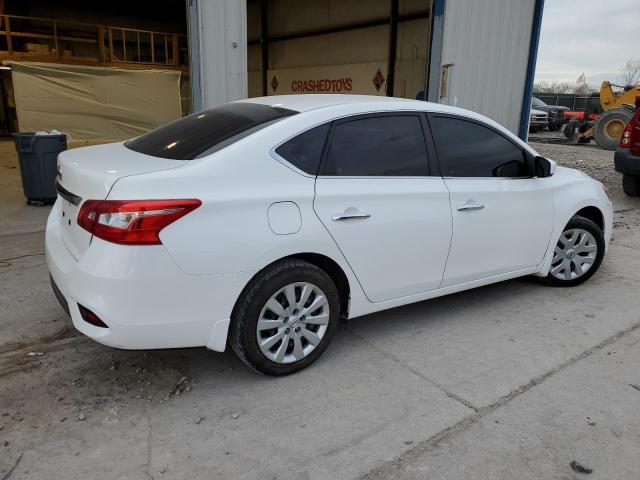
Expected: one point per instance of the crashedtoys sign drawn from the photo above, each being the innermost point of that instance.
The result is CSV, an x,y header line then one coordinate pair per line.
x,y
361,78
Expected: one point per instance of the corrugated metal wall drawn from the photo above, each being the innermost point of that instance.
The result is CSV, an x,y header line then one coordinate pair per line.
x,y
488,43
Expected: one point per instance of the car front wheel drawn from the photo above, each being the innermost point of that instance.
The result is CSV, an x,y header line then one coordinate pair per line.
x,y
578,253
285,317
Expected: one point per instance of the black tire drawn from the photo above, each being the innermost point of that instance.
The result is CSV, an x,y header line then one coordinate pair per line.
x,y
588,225
534,129
243,337
611,121
631,185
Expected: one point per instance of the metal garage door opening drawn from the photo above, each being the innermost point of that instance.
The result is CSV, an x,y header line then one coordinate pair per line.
x,y
376,47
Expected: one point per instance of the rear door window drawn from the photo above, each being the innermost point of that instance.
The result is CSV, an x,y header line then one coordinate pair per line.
x,y
305,150
204,132
389,145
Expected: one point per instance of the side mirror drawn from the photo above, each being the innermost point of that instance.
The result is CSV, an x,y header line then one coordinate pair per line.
x,y
543,167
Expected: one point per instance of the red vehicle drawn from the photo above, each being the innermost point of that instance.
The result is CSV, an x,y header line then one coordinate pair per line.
x,y
580,115
627,156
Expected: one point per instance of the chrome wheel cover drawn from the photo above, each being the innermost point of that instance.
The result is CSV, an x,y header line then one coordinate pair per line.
x,y
574,254
293,322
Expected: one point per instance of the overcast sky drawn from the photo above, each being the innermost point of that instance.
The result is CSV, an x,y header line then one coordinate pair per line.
x,y
596,37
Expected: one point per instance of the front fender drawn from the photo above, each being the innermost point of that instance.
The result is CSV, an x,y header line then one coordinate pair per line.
x,y
575,191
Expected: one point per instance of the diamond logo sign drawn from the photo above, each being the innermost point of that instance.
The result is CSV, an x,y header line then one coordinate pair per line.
x,y
378,80
274,83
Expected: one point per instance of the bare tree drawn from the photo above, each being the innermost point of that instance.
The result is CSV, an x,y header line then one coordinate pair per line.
x,y
582,89
554,87
541,87
630,73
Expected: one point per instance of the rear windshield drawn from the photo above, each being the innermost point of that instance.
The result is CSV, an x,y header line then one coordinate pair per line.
x,y
205,132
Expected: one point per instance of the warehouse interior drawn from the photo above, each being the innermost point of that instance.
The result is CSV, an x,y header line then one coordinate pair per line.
x,y
59,63
377,47
215,52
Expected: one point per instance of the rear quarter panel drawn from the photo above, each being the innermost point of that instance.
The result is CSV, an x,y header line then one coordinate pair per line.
x,y
230,232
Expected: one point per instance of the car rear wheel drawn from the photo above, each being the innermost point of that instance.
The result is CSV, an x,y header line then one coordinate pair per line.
x,y
578,253
631,185
285,317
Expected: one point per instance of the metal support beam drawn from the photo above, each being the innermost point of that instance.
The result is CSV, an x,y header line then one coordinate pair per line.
x,y
194,56
435,50
218,44
264,43
393,47
525,111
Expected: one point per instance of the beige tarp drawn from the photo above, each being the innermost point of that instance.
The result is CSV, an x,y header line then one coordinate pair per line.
x,y
94,103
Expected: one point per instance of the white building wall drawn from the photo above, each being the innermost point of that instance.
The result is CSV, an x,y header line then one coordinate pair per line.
x,y
487,45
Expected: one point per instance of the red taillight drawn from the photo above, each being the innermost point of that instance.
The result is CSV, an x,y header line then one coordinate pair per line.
x,y
625,140
132,222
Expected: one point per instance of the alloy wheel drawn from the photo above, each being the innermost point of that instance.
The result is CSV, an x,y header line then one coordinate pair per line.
x,y
293,322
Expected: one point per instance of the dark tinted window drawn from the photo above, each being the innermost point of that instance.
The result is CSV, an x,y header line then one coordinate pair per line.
x,y
305,150
377,146
466,149
200,133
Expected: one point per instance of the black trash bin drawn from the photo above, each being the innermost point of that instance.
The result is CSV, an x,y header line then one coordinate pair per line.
x,y
38,155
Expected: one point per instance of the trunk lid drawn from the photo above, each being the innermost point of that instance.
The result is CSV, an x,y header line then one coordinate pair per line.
x,y
88,174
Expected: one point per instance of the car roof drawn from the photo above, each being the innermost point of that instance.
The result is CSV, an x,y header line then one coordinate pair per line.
x,y
332,103
306,102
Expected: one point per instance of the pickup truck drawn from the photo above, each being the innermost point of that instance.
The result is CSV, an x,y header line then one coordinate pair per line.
x,y
538,120
555,112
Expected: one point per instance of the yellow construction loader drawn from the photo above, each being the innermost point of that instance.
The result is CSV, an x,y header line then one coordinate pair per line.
x,y
618,104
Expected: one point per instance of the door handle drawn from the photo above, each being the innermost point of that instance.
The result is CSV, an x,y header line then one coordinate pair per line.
x,y
350,214
470,206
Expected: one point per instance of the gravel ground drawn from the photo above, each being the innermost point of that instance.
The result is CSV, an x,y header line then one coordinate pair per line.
x,y
598,164
592,160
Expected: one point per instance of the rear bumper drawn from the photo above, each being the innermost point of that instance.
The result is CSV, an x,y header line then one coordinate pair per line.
x,y
626,162
141,294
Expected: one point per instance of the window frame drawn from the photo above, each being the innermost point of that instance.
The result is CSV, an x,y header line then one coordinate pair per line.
x,y
360,116
528,159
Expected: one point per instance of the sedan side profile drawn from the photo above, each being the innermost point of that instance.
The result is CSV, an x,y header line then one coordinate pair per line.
x,y
261,223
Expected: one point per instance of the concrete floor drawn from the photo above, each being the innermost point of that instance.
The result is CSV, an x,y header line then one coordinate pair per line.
x,y
514,380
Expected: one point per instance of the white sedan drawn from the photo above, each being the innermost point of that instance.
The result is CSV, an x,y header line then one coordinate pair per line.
x,y
261,223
